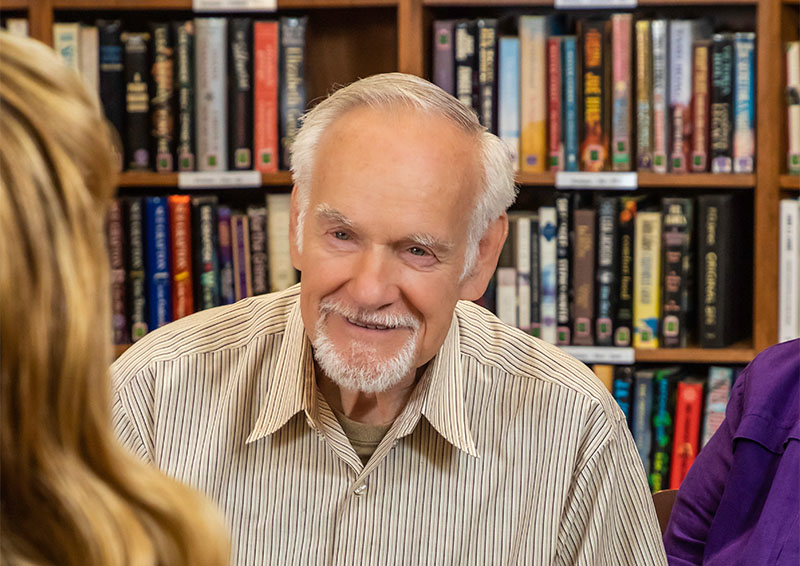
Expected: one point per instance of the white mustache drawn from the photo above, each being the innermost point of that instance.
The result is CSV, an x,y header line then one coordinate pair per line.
x,y
367,317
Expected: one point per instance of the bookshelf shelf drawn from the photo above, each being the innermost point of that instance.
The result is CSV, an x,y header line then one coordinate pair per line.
x,y
550,3
655,180
15,5
187,4
791,182
151,179
740,353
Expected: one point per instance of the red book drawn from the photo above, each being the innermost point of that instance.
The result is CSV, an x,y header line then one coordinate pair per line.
x,y
180,214
556,144
686,436
265,97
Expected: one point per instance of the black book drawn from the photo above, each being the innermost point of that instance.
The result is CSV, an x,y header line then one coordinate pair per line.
x,y
725,253
722,103
112,81
607,271
292,83
240,93
486,37
677,226
136,289
184,97
563,281
465,67
536,277
162,97
259,262
137,102
204,250
623,319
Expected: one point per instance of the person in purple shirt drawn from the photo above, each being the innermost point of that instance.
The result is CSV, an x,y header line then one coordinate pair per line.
x,y
740,501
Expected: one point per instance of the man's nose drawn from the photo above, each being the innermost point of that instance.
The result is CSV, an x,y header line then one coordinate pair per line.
x,y
374,281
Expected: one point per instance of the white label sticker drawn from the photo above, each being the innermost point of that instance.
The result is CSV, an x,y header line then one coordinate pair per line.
x,y
219,179
234,5
594,4
603,180
601,355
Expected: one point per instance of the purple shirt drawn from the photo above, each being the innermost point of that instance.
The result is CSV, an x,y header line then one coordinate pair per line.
x,y
740,501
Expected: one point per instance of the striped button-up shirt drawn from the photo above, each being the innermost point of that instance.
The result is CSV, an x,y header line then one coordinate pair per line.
x,y
509,451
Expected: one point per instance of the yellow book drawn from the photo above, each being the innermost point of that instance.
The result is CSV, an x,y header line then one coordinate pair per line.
x,y
647,279
533,93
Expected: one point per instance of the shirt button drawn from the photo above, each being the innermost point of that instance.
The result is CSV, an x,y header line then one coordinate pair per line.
x,y
360,490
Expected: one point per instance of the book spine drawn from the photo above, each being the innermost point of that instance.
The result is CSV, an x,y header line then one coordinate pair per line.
x,y
594,146
744,133
622,390
711,210
722,103
535,262
793,105
138,311
717,394
18,27
137,102
569,121
211,101
677,222
292,80
623,321
688,406
644,96
184,85
583,254
680,91
89,58
66,42
115,233
157,261
240,93
554,93
180,216
522,250
240,240
605,373
508,94
265,108
282,274
647,280
563,271
506,298
204,248
660,32
226,287
486,37
700,106
162,96
547,255
443,55
661,448
533,98
789,271
464,62
641,425
112,81
621,25
607,266
259,267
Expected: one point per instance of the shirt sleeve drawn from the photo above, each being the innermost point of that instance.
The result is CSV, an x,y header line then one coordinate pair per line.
x,y
609,516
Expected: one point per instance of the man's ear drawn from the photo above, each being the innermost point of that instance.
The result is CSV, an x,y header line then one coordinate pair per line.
x,y
474,285
294,251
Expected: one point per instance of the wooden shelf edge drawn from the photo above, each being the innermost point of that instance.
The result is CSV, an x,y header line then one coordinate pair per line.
x,y
550,3
790,182
186,5
655,180
732,355
6,5
152,179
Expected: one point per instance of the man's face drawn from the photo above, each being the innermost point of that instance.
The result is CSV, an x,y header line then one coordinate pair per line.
x,y
384,241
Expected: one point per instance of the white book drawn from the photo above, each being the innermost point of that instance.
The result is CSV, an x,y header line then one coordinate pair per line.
x,y
89,58
211,93
66,41
547,277
506,299
508,93
659,30
793,104
522,251
282,274
18,26
789,271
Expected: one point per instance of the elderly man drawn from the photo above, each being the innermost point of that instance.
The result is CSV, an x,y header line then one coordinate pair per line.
x,y
369,415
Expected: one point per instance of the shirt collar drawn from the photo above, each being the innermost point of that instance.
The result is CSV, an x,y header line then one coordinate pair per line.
x,y
439,396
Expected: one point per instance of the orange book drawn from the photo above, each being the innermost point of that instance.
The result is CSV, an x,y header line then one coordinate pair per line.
x,y
180,214
686,435
265,97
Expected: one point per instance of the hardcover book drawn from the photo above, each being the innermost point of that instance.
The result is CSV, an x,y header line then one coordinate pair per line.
x,y
621,50
162,90
607,270
226,287
678,221
701,81
686,439
623,391
744,100
533,98
265,110
793,105
89,58
115,234
623,323
644,96
259,268
240,242
554,94
66,42
157,261
594,145
465,63
508,94
660,36
292,80
647,279
583,254
569,122
443,55
185,89
522,250
282,274
138,309
642,422
112,80
548,228
722,103
563,275
506,273
137,102
664,380
240,93
180,218
205,242
536,296
211,100
486,38
718,391
789,270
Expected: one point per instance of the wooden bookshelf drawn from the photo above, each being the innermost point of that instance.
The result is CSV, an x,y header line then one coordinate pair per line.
x,y
14,4
790,182
186,5
152,179
738,354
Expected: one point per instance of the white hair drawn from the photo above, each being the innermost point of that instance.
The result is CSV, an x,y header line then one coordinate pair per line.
x,y
390,90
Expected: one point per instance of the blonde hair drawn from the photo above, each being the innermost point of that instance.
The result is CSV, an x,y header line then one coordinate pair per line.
x,y
70,493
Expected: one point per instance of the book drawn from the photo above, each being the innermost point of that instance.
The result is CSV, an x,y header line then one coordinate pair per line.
x,y
621,50
18,26
226,288
548,229
623,391
115,238
664,380
486,40
623,320
789,271
642,421
536,296
292,80
533,98
183,32
111,77
644,94
722,103
569,122
659,30
137,102
522,261
162,91
180,236
89,58
508,95
718,392
744,102
240,93
647,279
701,84
66,43
506,273
583,267
594,145
211,100
465,63
259,267
677,223
265,106
282,274
240,243
793,106
443,55
137,306
205,259
606,277
554,113
686,438
157,261
563,271
605,373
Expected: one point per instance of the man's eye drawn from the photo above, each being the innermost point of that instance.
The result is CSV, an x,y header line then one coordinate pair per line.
x,y
417,251
339,235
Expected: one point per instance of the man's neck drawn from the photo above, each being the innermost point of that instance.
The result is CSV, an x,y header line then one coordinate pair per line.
x,y
368,408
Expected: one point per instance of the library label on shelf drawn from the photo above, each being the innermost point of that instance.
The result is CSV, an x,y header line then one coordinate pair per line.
x,y
234,5
606,180
594,4
219,179
601,355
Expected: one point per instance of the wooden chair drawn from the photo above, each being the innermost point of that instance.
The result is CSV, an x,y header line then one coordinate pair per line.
x,y
663,501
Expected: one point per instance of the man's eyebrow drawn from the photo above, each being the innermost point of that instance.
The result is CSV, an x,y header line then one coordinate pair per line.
x,y
432,242
327,213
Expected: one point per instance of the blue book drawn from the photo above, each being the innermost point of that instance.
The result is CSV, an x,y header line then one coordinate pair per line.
x,y
509,118
622,390
744,103
159,291
642,408
569,119
226,288
547,272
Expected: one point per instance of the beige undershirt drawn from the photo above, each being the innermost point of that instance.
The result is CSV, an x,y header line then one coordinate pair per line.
x,y
363,437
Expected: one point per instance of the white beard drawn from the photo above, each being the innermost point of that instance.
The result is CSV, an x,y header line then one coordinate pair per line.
x,y
360,368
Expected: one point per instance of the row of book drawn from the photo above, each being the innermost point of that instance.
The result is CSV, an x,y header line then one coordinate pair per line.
x,y
174,255
793,106
605,270
208,94
655,95
672,413
789,271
